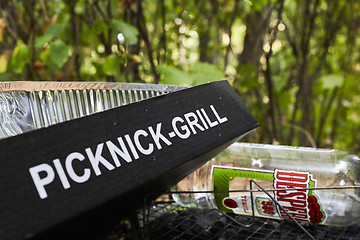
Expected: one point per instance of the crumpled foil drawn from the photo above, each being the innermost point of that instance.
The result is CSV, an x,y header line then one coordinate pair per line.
x,y
26,106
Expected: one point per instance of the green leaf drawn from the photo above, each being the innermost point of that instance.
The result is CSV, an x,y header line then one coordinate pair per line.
x,y
3,63
332,80
20,56
318,90
351,84
206,72
174,76
258,5
52,32
354,116
79,7
111,65
59,53
248,78
5,76
129,32
279,83
99,26
45,55
285,98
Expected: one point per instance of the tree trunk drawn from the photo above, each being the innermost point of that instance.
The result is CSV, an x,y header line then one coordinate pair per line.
x,y
257,24
256,27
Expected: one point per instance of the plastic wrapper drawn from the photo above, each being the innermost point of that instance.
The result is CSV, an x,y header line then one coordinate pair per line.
x,y
25,106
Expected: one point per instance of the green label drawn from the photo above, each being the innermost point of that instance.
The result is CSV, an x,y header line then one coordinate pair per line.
x,y
299,201
223,176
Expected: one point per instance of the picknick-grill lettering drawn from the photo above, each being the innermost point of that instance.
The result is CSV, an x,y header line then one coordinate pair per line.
x,y
124,150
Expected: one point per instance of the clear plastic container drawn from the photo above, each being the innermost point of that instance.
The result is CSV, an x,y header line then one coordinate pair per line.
x,y
317,186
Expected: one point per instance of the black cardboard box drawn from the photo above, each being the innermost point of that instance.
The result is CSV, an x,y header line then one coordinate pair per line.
x,y
78,173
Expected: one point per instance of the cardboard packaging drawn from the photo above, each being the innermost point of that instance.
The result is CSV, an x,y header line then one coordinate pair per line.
x,y
76,174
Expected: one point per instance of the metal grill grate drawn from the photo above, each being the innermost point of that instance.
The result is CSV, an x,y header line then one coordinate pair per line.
x,y
166,220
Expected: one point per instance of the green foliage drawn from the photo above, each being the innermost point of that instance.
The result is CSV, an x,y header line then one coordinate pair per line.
x,y
59,53
111,65
248,80
205,72
3,63
130,32
331,81
200,73
99,26
50,34
20,57
295,63
174,76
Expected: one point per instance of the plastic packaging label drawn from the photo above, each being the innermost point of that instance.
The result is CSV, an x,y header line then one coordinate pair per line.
x,y
301,203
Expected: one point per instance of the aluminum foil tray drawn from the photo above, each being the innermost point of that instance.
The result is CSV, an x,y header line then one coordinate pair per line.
x,y
25,106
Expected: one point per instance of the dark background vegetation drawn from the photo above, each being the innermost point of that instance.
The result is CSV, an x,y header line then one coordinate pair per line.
x,y
295,63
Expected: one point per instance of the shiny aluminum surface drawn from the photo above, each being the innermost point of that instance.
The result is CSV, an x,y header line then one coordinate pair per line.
x,y
25,106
